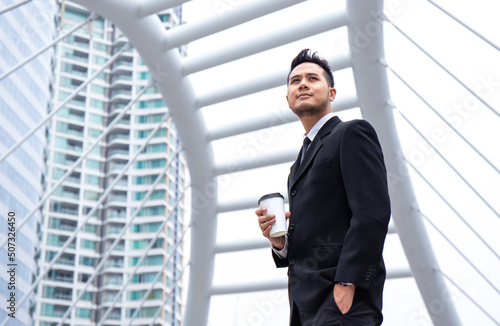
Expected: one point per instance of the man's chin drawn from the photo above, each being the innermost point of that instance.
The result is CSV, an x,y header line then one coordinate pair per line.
x,y
305,110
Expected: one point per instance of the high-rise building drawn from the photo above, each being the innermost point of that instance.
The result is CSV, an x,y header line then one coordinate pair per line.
x,y
24,102
114,292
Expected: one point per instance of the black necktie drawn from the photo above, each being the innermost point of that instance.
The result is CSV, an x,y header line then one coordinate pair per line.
x,y
305,146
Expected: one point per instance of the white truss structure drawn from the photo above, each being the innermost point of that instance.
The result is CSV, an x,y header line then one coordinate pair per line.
x,y
364,21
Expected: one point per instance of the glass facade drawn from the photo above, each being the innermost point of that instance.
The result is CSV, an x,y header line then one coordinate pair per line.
x,y
24,101
143,235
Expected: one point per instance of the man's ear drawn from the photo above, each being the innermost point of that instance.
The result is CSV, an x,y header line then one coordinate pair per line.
x,y
333,92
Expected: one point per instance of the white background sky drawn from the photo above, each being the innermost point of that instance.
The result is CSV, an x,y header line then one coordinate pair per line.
x,y
465,55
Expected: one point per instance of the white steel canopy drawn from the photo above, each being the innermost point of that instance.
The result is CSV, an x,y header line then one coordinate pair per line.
x,y
364,55
157,47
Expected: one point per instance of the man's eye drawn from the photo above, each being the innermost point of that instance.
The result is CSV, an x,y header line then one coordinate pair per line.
x,y
313,78
294,81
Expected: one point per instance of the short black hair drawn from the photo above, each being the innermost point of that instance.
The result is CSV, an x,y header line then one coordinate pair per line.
x,y
306,56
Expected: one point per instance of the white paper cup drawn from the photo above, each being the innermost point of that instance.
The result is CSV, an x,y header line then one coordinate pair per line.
x,y
274,204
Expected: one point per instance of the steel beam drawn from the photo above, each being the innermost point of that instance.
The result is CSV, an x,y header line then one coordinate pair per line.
x,y
271,285
148,36
259,243
260,43
149,7
223,20
13,6
259,84
365,32
283,156
240,204
273,120
156,47
282,284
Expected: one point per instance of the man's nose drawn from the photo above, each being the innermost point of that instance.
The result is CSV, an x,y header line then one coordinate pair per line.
x,y
303,85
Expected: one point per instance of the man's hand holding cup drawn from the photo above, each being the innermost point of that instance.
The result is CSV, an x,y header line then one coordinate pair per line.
x,y
272,219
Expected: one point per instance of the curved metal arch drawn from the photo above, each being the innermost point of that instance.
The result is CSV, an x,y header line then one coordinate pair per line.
x,y
367,54
366,42
148,36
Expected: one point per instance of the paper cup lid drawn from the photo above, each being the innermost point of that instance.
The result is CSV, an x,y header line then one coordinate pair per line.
x,y
274,194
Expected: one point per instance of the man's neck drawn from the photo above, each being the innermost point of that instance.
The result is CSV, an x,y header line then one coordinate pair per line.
x,y
309,121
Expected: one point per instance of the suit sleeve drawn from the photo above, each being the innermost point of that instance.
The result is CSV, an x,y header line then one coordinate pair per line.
x,y
279,261
280,256
365,181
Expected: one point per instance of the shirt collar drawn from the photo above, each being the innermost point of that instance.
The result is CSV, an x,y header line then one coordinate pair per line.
x,y
321,122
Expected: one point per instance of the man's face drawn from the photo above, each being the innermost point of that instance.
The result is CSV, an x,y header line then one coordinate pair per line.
x,y
308,92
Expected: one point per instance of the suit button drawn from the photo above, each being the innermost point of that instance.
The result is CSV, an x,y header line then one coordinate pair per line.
x,y
292,262
291,227
293,193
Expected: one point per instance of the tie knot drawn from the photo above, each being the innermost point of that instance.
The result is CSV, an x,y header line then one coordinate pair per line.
x,y
307,141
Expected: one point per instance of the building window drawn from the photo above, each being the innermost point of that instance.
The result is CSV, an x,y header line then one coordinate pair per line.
x,y
145,133
151,104
98,90
143,244
143,75
157,194
96,103
151,164
145,228
99,60
152,211
87,261
88,244
165,18
74,16
96,118
148,261
152,118
92,180
93,133
83,313
147,180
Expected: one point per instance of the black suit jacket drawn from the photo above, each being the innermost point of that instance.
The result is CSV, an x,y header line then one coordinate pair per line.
x,y
340,210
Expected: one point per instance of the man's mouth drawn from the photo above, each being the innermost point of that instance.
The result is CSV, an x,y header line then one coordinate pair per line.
x,y
304,95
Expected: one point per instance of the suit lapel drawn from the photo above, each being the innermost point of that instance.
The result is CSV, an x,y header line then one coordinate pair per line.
x,y
297,170
294,168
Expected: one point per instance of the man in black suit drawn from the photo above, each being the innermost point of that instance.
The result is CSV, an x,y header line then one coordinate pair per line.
x,y
339,209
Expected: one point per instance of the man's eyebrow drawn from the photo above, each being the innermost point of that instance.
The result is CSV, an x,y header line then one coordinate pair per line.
x,y
307,74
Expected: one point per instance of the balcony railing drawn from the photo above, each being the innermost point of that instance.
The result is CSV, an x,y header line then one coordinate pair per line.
x,y
67,279
64,261
59,296
63,227
75,57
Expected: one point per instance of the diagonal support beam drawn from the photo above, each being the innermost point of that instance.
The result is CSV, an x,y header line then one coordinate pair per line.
x,y
149,7
48,46
282,284
277,119
373,88
260,43
275,158
258,84
190,32
14,6
240,204
259,243
148,36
